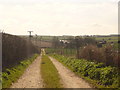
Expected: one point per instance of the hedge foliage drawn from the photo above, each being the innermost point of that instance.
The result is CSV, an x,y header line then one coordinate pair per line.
x,y
101,75
12,74
15,49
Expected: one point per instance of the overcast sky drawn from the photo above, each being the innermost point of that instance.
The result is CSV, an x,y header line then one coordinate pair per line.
x,y
59,17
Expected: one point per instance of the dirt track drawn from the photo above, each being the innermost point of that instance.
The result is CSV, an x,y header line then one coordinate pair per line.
x,y
69,79
31,78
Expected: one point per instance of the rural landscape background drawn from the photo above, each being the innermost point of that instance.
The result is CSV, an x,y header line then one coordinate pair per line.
x,y
67,44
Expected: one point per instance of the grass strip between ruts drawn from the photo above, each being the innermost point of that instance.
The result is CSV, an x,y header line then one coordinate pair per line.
x,y
49,73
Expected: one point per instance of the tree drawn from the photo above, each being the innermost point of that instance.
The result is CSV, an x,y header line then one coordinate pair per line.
x,y
79,43
89,40
55,42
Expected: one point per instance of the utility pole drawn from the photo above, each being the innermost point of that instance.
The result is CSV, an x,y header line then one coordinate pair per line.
x,y
30,34
36,39
28,46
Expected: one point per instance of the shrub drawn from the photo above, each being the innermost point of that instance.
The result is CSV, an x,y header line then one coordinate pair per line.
x,y
106,55
103,75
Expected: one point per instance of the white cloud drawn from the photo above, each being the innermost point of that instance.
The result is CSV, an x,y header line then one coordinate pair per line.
x,y
59,18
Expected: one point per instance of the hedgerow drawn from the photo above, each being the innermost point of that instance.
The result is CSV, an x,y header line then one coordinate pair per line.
x,y
11,75
100,74
15,49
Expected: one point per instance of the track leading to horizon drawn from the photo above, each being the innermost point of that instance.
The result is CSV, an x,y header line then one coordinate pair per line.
x,y
69,79
31,77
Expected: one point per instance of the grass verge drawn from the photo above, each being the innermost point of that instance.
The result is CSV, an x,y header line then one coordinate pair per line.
x,y
12,75
49,73
97,74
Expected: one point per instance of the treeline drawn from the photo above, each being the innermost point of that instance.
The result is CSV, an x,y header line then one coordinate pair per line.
x,y
15,49
88,48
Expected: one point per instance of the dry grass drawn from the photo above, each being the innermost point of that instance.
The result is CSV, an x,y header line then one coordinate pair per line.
x,y
105,54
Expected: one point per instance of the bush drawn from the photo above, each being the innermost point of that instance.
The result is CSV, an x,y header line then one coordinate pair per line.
x,y
103,75
105,55
92,53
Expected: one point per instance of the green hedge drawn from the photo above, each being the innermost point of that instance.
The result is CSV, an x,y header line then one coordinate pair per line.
x,y
100,75
15,49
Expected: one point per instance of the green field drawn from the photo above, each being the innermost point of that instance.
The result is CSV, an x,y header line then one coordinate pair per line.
x,y
108,39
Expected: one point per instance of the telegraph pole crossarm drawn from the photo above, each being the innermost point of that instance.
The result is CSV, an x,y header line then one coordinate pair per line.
x,y
30,33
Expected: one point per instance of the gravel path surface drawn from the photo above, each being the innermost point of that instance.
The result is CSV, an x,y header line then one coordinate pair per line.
x,y
69,79
31,77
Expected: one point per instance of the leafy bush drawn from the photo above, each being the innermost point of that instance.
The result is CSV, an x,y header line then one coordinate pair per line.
x,y
106,76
